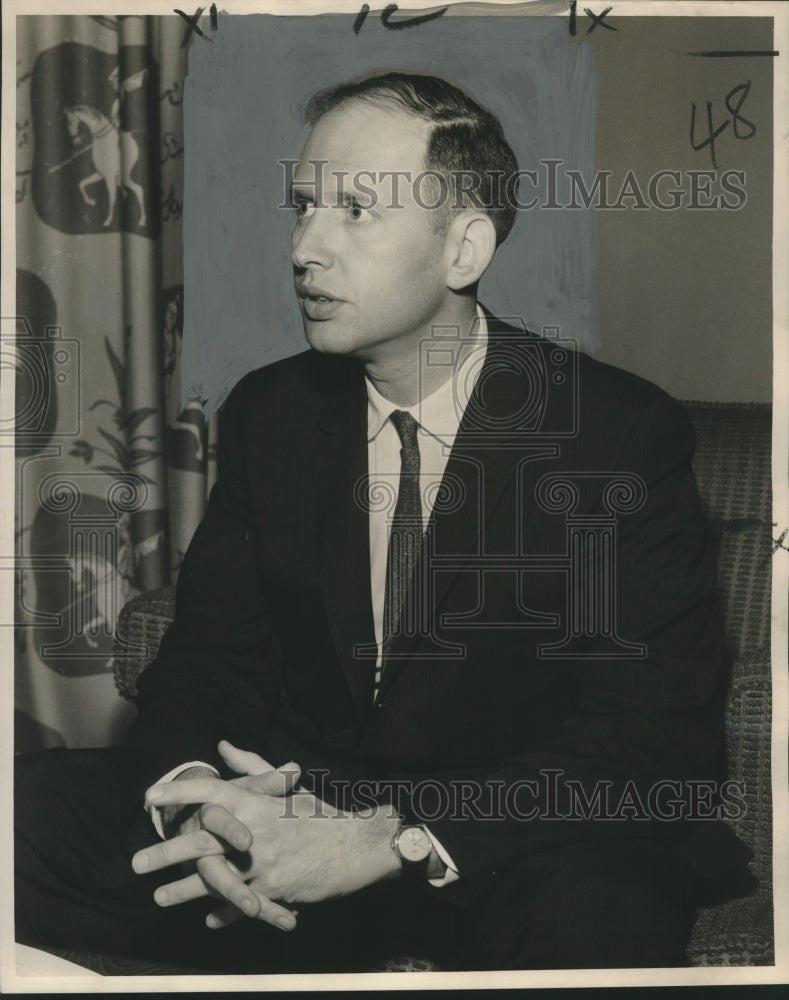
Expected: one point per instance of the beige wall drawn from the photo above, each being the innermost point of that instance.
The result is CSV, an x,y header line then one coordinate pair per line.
x,y
685,297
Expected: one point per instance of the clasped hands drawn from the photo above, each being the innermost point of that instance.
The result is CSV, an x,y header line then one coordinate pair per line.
x,y
262,844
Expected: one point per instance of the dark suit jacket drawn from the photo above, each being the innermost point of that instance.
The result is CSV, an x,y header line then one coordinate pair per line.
x,y
273,602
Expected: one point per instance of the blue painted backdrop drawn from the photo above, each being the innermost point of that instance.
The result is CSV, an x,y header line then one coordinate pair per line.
x,y
245,97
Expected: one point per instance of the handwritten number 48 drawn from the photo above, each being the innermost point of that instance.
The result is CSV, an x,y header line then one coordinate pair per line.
x,y
743,129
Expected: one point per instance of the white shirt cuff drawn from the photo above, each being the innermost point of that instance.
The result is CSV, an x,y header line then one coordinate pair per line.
x,y
154,811
451,874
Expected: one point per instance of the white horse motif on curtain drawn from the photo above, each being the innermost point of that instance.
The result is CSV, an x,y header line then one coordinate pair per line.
x,y
114,152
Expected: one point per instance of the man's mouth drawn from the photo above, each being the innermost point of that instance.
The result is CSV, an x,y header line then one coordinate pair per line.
x,y
318,304
316,295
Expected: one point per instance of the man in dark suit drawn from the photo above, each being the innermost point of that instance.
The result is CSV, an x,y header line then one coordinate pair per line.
x,y
445,670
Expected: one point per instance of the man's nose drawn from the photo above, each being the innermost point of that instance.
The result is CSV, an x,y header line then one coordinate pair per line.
x,y
311,241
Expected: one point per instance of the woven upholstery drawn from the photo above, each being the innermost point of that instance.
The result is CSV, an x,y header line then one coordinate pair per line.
x,y
141,625
733,470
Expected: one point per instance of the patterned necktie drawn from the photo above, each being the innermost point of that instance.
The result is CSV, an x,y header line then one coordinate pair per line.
x,y
404,540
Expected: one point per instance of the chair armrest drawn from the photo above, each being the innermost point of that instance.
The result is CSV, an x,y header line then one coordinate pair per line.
x,y
139,630
739,932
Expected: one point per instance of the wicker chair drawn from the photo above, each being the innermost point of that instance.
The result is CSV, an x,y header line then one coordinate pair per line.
x,y
733,469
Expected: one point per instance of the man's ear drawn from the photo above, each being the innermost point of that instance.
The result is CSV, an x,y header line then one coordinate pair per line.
x,y
471,243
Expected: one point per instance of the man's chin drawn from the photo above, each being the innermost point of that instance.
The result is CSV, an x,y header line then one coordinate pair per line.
x,y
328,338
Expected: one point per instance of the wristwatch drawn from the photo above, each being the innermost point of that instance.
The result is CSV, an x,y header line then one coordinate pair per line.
x,y
413,846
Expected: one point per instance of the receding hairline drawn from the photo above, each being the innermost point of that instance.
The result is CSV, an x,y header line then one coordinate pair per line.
x,y
386,104
461,135
380,99
400,89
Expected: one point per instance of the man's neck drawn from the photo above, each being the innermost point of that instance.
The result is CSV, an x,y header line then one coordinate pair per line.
x,y
404,380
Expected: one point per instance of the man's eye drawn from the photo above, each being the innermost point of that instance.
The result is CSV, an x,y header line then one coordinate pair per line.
x,y
302,207
356,211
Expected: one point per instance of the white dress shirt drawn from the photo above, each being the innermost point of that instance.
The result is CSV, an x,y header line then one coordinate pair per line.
x,y
439,416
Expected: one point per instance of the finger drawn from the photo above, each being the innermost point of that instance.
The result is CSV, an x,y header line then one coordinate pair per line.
x,y
276,915
270,913
227,915
186,847
181,891
194,791
214,878
242,761
221,823
277,783
223,917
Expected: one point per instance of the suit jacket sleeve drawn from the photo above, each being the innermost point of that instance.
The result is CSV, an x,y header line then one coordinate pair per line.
x,y
634,722
217,672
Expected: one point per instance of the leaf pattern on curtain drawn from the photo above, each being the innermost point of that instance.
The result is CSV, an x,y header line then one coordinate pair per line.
x,y
125,456
113,470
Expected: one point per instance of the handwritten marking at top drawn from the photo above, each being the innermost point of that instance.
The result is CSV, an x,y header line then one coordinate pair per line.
x,y
734,53
741,126
386,18
361,17
193,25
409,22
597,19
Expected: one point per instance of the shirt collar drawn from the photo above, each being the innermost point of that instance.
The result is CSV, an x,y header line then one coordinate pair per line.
x,y
440,413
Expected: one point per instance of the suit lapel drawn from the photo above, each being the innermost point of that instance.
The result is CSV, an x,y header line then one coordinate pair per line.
x,y
340,466
490,448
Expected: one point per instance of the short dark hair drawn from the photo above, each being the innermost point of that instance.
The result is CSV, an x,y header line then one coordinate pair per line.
x,y
466,140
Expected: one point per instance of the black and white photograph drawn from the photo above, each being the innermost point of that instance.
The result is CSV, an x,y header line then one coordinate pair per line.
x,y
395,495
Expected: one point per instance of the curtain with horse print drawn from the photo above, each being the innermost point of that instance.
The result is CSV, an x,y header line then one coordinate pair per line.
x,y
112,468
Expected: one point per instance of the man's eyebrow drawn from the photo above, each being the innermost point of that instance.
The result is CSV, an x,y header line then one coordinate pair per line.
x,y
348,198
301,191
305,192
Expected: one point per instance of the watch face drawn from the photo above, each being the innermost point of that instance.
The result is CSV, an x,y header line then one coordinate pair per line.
x,y
413,843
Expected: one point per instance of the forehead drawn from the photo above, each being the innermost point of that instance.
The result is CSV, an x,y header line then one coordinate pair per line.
x,y
359,136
